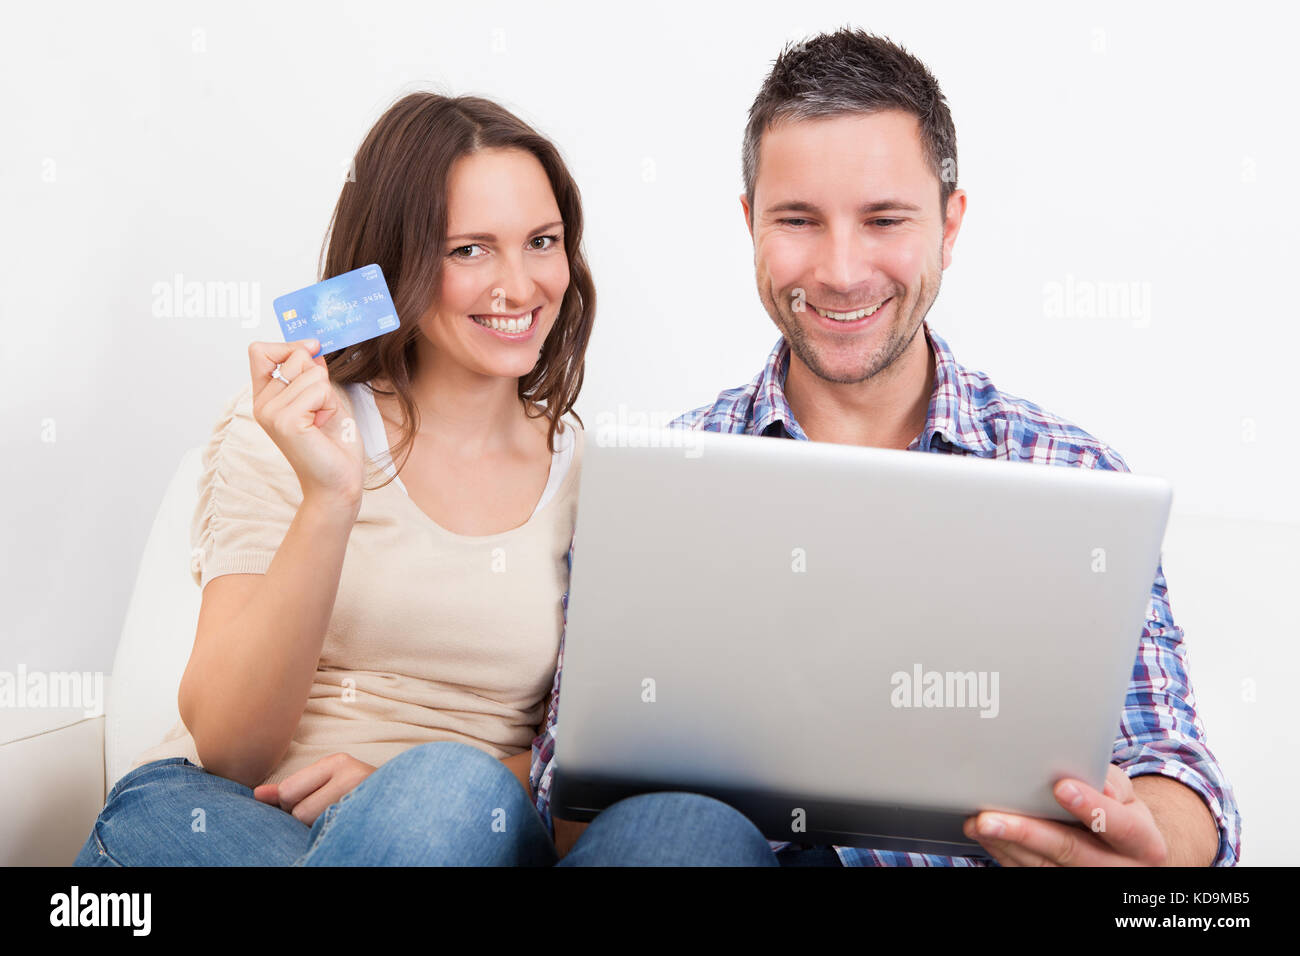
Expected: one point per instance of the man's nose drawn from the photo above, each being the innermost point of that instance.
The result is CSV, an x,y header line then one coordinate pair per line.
x,y
843,262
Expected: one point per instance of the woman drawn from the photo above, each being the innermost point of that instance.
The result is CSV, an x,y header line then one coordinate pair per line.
x,y
382,541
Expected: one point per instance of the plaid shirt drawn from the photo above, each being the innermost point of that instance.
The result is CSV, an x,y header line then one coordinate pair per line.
x,y
1160,731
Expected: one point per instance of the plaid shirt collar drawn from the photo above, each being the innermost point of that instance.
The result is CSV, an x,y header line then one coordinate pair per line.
x,y
954,413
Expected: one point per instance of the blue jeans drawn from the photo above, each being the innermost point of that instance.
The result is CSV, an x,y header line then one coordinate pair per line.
x,y
436,804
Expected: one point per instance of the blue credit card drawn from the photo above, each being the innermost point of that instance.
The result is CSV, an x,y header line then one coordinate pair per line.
x,y
339,312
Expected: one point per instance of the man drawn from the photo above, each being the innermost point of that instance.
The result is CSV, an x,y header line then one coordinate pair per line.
x,y
850,199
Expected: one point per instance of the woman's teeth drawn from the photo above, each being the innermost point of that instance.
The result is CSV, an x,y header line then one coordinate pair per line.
x,y
848,316
505,325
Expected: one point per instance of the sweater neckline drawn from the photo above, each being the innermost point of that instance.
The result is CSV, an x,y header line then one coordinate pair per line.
x,y
375,435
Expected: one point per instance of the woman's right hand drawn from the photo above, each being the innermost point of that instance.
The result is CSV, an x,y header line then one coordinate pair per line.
x,y
307,420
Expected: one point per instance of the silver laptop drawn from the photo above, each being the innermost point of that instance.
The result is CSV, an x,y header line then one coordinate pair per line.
x,y
852,646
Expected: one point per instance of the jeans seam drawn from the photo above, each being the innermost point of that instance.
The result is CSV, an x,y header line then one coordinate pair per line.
x,y
135,772
99,845
331,812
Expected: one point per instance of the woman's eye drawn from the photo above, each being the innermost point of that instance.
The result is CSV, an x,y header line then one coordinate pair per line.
x,y
457,252
535,239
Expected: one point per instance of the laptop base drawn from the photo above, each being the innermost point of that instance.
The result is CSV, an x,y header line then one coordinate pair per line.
x,y
786,817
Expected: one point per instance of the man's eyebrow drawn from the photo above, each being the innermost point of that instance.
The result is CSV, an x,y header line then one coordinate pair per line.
x,y
888,205
488,237
791,205
880,205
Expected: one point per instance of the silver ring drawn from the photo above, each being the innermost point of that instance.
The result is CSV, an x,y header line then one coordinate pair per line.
x,y
277,374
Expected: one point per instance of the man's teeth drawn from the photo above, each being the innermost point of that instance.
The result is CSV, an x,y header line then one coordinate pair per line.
x,y
848,316
505,325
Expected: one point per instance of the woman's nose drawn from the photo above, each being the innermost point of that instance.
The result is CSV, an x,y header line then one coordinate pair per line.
x,y
513,288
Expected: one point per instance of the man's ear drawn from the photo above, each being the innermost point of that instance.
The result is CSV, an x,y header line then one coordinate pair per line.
x,y
952,223
749,222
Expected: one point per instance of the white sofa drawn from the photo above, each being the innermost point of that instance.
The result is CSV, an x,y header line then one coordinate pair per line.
x,y
58,765
1228,583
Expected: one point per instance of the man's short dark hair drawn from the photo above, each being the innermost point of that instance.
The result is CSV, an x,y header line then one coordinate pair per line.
x,y
850,71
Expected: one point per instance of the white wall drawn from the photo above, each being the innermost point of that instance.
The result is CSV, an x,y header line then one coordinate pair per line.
x,y
1107,144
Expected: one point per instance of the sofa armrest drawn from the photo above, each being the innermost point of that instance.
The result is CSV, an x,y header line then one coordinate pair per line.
x,y
52,765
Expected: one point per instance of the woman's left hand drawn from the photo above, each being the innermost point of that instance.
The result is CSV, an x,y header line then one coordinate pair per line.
x,y
307,792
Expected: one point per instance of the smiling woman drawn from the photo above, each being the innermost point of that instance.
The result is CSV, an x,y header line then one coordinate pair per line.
x,y
471,214
383,541
350,616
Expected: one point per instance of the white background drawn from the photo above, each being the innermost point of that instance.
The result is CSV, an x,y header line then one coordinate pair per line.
x,y
1108,143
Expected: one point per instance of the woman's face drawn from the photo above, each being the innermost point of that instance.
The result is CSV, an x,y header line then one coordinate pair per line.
x,y
504,266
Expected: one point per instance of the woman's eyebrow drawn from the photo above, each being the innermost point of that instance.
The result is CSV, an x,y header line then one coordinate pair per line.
x,y
489,237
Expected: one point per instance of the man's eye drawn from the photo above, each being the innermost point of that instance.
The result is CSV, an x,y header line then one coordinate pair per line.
x,y
456,253
890,222
794,222
554,240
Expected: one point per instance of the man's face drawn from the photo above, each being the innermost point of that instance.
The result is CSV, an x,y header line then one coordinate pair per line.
x,y
846,218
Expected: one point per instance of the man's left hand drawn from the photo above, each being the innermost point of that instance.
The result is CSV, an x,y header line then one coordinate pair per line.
x,y
1117,829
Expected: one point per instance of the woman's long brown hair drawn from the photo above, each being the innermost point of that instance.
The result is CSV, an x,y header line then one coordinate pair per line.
x,y
393,211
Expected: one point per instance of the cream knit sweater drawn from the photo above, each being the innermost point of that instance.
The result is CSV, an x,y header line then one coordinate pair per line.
x,y
434,635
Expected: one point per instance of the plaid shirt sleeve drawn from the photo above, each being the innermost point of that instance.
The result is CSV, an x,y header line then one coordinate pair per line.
x,y
1160,731
539,773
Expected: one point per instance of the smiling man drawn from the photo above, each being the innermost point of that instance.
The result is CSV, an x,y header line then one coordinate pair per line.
x,y
850,199
849,246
